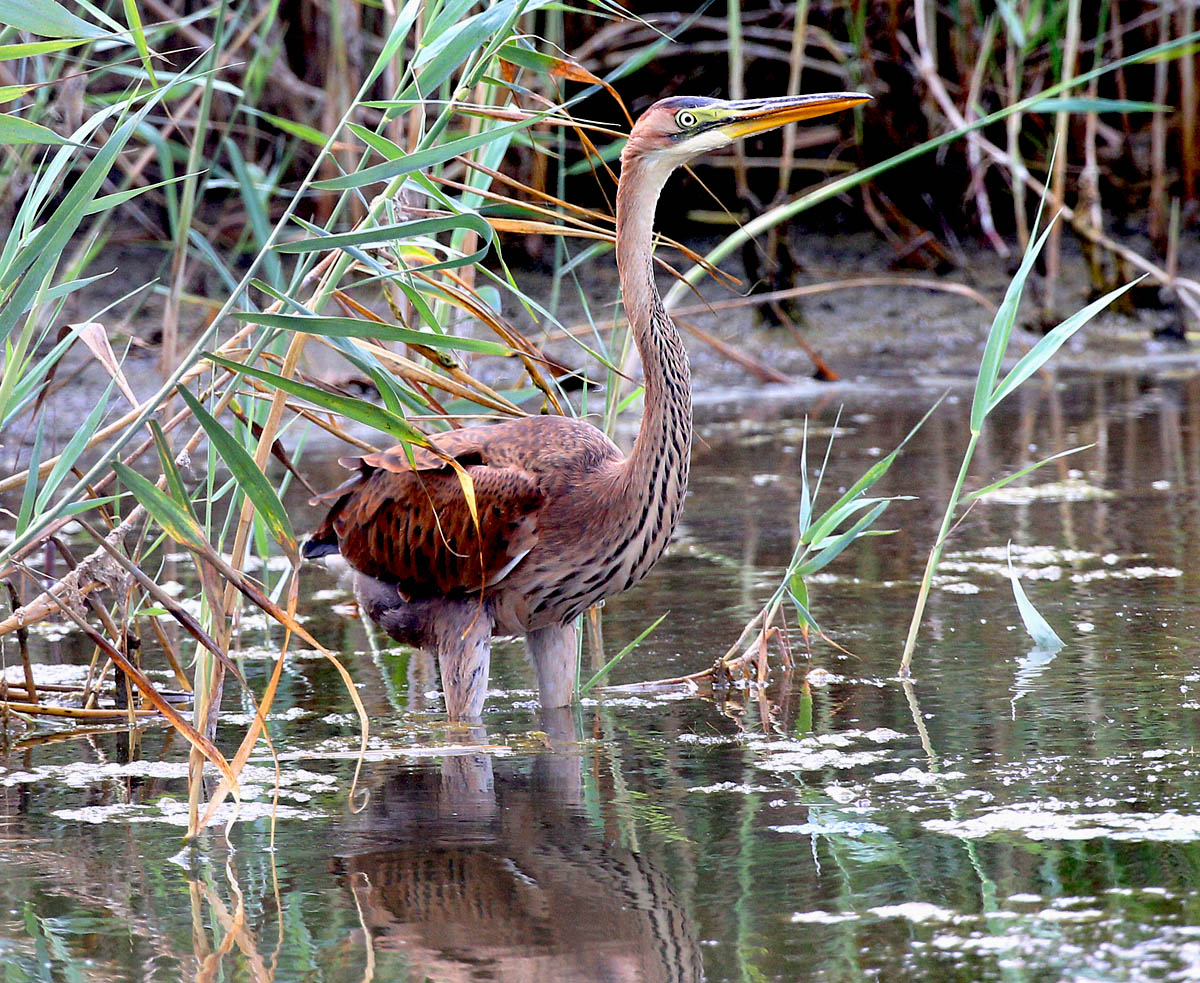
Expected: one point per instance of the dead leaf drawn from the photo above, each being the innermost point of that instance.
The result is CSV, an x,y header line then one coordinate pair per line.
x,y
93,335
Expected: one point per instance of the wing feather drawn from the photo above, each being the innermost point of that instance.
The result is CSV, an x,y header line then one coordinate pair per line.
x,y
404,520
414,529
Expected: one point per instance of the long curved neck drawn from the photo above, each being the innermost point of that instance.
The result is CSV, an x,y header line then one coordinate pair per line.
x,y
658,463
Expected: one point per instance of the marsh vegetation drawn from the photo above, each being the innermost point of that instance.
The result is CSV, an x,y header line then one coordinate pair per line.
x,y
245,238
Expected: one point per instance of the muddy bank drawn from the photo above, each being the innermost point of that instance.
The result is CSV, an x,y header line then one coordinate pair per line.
x,y
879,339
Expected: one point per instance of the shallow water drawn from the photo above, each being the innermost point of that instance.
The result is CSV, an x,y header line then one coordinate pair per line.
x,y
1010,815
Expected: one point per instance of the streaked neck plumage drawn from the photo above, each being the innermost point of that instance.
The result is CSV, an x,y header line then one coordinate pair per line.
x,y
657,468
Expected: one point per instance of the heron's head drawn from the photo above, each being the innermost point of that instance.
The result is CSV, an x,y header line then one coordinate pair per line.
x,y
674,130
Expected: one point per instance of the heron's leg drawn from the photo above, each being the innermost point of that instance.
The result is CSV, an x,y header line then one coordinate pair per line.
x,y
553,652
462,639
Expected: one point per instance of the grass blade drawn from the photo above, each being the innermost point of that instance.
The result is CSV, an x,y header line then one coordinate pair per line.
x,y
175,487
356,409
806,504
834,549
995,485
353,327
31,483
46,18
176,521
1041,353
134,19
250,480
385,235
1082,105
74,448
823,528
1044,637
32,49
16,130
604,669
422,159
44,247
1001,330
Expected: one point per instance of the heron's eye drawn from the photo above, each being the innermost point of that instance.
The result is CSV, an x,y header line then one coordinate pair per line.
x,y
685,120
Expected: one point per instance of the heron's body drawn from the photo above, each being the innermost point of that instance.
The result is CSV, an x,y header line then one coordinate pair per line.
x,y
564,519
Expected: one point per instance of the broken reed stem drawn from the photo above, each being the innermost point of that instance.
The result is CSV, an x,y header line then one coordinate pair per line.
x,y
23,647
1187,103
1012,74
76,713
42,687
1158,140
1062,122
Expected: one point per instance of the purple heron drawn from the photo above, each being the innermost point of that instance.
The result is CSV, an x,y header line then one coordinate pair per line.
x,y
565,520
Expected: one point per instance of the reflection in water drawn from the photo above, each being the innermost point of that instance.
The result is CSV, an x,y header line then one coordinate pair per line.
x,y
523,870
1026,820
506,878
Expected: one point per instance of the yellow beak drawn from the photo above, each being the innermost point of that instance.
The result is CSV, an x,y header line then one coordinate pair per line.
x,y
756,115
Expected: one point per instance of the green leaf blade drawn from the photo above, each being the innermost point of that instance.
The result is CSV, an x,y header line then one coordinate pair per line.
x,y
250,480
839,544
1001,331
47,19
134,20
1042,352
353,327
356,409
608,666
18,131
1044,637
421,159
175,487
175,521
1088,105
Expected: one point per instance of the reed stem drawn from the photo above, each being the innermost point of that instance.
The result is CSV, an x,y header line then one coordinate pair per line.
x,y
935,556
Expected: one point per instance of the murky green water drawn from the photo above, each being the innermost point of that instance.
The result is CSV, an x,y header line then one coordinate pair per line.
x,y
1009,816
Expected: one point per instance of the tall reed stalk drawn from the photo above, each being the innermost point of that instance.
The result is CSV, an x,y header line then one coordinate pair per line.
x,y
244,376
990,391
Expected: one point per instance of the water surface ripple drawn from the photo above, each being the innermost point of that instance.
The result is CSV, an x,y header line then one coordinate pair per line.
x,y
1010,815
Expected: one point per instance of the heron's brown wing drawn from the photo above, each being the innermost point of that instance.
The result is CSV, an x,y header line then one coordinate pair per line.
x,y
468,446
415,530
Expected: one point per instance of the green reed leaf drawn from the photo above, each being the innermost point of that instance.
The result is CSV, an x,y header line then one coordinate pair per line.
x,y
16,130
46,19
839,544
166,460
1001,331
134,20
356,409
32,49
1087,105
1044,637
75,447
250,479
31,481
608,666
174,519
1041,353
422,159
353,327
996,485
